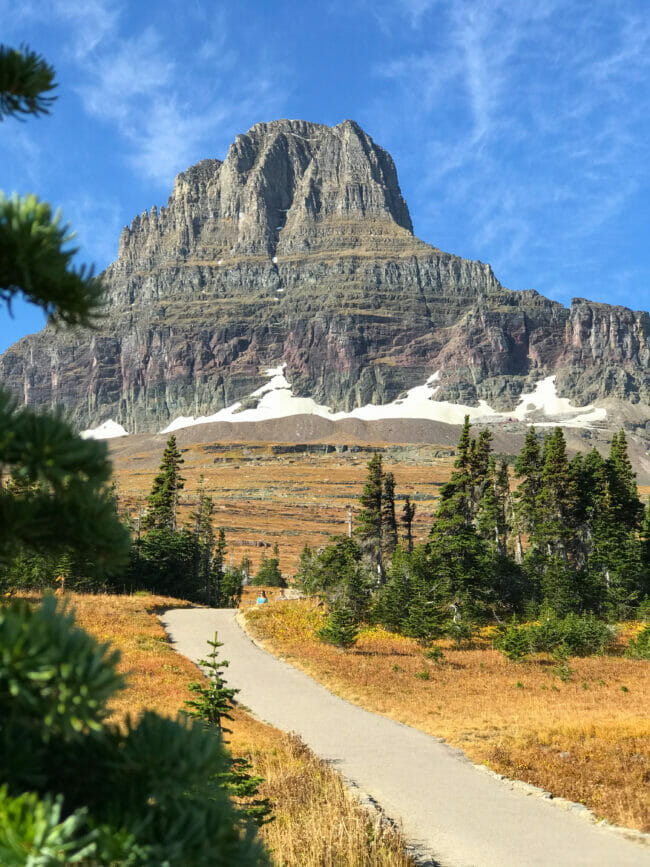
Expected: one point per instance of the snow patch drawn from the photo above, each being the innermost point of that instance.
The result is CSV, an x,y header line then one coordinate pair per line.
x,y
277,400
106,431
544,398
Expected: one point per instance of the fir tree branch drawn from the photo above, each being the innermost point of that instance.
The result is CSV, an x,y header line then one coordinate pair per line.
x,y
25,81
34,261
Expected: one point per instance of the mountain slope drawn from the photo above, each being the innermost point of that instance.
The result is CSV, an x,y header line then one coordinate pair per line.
x,y
298,249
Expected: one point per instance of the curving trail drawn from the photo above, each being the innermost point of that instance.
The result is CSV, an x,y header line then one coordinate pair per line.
x,y
452,813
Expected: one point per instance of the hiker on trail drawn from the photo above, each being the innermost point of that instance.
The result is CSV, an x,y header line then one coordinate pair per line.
x,y
261,599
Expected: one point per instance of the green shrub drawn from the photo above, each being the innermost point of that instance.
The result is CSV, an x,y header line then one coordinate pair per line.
x,y
268,574
435,654
515,643
580,635
639,647
340,628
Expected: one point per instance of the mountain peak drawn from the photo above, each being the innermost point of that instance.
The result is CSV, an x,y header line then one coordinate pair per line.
x,y
285,187
297,250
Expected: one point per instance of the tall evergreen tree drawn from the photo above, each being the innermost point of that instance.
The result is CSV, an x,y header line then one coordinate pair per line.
x,y
388,520
408,513
217,569
528,469
480,458
66,502
644,536
459,559
204,537
163,498
113,790
588,474
557,498
460,489
626,505
394,597
369,517
491,513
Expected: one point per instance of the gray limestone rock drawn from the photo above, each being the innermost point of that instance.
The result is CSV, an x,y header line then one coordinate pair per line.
x,y
298,248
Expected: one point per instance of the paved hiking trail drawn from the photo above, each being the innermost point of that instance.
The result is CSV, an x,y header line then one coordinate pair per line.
x,y
453,813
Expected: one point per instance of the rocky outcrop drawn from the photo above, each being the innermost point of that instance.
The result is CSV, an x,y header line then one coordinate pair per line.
x,y
298,248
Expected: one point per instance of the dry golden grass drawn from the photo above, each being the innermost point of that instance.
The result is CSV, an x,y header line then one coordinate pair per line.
x,y
261,498
318,823
586,739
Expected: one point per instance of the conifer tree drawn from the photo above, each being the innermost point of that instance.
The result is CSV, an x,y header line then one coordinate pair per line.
x,y
216,596
269,574
204,536
65,502
393,598
163,497
106,794
491,513
588,473
460,488
528,469
480,457
232,584
459,558
340,628
626,505
408,513
138,794
213,704
429,610
388,520
557,498
644,536
369,517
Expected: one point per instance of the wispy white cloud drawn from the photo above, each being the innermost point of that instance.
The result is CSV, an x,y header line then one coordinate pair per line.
x,y
91,22
166,101
526,119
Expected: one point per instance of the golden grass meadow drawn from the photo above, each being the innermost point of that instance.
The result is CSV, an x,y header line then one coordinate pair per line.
x,y
586,739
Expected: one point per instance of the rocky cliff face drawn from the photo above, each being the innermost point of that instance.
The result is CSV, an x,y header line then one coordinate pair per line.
x,y
298,248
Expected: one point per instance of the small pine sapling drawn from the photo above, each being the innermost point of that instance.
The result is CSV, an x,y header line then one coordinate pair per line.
x,y
340,628
213,705
515,643
214,702
435,654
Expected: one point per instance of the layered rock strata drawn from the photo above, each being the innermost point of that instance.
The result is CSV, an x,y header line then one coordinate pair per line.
x,y
298,248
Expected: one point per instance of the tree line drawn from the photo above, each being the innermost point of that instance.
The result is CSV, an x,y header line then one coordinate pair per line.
x,y
189,561
568,536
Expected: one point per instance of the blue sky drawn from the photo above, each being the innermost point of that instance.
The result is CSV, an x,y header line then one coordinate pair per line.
x,y
520,128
